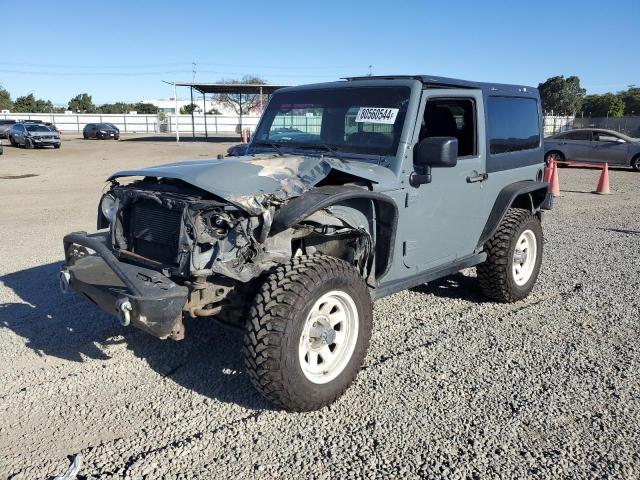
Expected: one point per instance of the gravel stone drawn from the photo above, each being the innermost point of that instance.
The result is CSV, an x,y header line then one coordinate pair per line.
x,y
454,386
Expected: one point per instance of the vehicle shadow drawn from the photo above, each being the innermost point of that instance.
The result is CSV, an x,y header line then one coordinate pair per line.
x,y
454,286
208,361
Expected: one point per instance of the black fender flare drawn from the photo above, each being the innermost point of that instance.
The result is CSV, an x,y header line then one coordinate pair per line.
x,y
299,208
537,197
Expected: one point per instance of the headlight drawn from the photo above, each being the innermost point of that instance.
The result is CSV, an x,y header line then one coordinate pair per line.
x,y
108,207
103,131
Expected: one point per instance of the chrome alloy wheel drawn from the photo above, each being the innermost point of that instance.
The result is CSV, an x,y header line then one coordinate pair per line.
x,y
524,257
328,337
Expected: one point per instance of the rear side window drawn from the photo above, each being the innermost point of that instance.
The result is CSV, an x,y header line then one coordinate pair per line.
x,y
582,135
513,124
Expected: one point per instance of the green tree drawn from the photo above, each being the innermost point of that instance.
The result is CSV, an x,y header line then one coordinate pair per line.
x,y
118,107
561,95
25,104
141,107
631,99
43,106
616,106
5,100
250,101
188,109
82,103
605,105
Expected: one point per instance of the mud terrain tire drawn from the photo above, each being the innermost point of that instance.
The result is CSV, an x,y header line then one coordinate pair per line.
x,y
498,276
288,318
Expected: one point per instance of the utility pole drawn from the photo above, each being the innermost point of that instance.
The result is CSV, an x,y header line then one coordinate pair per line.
x,y
176,112
370,70
193,70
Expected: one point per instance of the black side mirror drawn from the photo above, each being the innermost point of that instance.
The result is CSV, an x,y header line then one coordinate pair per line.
x,y
432,152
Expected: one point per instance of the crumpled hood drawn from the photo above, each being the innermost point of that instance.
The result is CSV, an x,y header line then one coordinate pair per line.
x,y
247,181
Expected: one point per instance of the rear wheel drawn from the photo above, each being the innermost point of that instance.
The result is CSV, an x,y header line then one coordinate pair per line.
x,y
308,332
514,255
635,163
553,156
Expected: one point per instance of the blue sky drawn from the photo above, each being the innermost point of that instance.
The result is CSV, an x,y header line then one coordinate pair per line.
x,y
122,50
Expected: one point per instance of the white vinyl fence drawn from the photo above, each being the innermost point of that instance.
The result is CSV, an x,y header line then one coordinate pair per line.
x,y
208,124
225,124
142,123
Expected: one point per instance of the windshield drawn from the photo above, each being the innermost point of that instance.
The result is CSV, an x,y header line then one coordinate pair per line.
x,y
37,128
361,120
104,126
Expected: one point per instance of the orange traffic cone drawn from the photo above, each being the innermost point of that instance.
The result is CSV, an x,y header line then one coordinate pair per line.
x,y
548,171
603,183
555,181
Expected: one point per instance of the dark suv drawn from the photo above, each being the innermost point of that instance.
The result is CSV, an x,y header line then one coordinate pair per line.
x,y
349,191
101,131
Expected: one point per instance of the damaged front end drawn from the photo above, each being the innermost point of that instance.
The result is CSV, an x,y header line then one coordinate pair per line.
x,y
174,248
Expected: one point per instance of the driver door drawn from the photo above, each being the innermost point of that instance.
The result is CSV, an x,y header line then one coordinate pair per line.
x,y
443,219
609,148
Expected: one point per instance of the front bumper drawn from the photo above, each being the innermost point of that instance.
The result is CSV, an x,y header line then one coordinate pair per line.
x,y
138,295
45,142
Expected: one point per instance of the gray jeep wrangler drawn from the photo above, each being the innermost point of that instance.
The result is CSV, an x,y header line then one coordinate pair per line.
x,y
349,191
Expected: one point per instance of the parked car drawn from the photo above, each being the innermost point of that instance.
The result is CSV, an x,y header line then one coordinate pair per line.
x,y
593,145
5,126
100,131
31,135
402,183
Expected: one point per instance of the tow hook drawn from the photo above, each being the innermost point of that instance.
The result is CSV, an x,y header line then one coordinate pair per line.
x,y
64,278
124,308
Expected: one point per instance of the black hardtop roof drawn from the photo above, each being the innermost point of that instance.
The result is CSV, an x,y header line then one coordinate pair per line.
x,y
428,81
446,82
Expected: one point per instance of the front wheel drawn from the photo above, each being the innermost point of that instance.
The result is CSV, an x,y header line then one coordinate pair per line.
x,y
308,332
635,163
514,255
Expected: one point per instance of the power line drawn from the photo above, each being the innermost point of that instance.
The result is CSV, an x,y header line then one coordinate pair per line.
x,y
52,65
163,72
160,65
73,74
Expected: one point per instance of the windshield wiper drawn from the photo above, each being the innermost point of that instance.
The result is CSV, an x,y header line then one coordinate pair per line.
x,y
272,145
328,148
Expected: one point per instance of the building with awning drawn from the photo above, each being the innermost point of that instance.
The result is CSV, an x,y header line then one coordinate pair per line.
x,y
247,89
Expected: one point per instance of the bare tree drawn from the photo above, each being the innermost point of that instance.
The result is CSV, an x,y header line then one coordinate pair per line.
x,y
246,102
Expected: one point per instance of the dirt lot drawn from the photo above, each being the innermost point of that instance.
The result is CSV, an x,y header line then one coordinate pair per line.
x,y
454,386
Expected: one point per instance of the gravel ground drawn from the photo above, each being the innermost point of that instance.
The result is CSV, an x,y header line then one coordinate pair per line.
x,y
453,386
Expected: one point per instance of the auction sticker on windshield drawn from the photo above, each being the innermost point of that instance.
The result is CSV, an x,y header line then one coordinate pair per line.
x,y
376,115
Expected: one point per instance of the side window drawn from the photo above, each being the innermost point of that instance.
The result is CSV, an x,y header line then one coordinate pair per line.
x,y
605,137
452,117
579,135
513,124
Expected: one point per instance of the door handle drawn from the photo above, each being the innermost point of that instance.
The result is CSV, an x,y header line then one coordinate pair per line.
x,y
478,178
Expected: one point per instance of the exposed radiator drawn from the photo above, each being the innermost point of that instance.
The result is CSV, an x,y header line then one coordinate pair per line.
x,y
155,232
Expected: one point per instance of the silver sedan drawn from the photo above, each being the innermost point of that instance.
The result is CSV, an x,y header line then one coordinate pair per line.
x,y
593,145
